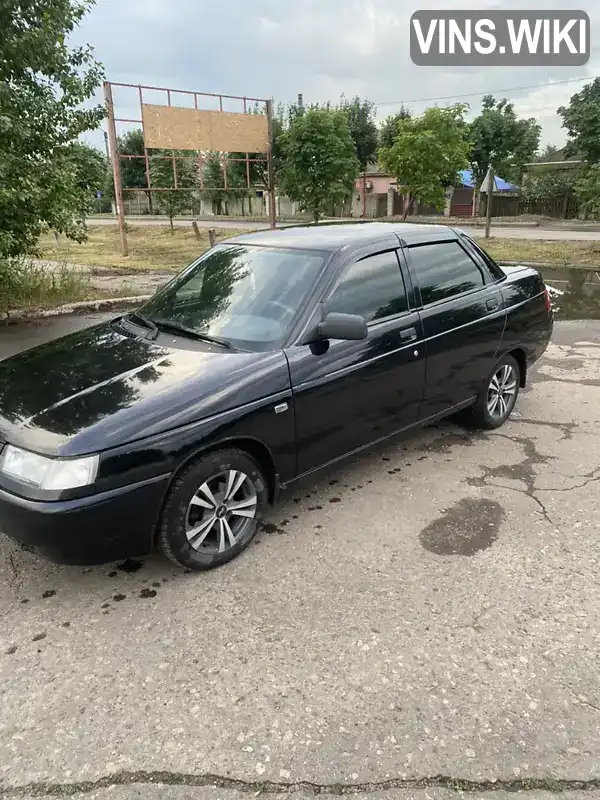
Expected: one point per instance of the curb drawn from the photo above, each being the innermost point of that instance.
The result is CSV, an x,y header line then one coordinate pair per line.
x,y
83,307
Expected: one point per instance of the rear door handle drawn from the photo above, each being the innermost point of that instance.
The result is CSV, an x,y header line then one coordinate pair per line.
x,y
491,304
408,334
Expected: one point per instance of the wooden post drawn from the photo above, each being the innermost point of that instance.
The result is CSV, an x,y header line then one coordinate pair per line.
x,y
490,196
114,157
196,230
211,236
270,176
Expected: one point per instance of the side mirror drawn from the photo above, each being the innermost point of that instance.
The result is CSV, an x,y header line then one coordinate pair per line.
x,y
342,326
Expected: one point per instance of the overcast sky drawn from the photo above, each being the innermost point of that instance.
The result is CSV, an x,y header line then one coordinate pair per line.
x,y
322,48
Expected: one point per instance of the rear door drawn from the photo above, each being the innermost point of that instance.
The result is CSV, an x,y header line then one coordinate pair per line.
x,y
350,393
461,308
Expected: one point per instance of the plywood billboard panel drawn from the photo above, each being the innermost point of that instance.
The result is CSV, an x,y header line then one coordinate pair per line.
x,y
174,128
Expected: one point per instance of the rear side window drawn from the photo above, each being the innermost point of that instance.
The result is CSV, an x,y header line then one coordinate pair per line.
x,y
444,270
483,259
372,287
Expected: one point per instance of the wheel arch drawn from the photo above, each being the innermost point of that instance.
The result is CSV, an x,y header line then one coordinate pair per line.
x,y
255,448
519,355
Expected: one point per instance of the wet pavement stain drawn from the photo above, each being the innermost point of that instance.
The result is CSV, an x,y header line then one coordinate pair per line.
x,y
269,527
66,624
336,499
118,597
464,529
11,650
25,600
130,565
113,574
566,428
48,593
145,593
38,637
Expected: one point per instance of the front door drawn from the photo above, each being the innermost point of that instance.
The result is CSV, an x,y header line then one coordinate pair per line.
x,y
347,393
463,321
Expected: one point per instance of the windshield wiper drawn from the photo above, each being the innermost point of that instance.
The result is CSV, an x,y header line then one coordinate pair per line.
x,y
183,329
148,323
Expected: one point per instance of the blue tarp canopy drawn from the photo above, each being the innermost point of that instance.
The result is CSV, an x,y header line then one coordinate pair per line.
x,y
466,177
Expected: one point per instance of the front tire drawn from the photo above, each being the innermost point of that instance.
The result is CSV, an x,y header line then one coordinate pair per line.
x,y
497,399
213,510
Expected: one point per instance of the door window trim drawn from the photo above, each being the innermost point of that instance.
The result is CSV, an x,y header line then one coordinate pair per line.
x,y
408,294
415,278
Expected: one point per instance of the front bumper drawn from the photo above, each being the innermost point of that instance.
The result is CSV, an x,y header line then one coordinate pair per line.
x,y
90,530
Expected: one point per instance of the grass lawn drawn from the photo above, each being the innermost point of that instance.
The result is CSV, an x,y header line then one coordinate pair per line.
x,y
151,247
573,252
154,247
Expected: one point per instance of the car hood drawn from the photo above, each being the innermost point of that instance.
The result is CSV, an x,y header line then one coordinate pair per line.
x,y
103,387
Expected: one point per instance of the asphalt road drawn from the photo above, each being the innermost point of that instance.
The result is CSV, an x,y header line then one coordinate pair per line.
x,y
512,232
432,609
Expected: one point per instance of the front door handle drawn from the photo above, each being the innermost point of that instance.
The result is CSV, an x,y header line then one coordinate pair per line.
x,y
491,304
408,334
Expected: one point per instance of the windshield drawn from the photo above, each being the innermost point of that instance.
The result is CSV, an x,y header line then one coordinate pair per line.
x,y
243,294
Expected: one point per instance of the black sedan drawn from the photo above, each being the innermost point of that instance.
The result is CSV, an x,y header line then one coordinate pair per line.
x,y
272,356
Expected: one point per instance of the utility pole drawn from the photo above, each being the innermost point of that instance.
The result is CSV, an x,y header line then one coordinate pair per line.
x,y
114,154
490,197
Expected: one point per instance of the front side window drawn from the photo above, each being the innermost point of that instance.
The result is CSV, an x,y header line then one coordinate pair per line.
x,y
372,288
247,295
444,270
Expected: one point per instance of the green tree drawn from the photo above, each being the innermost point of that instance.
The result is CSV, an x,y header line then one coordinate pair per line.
x,y
547,189
214,182
389,127
581,118
547,153
43,84
90,171
427,154
163,171
363,129
587,191
500,138
320,166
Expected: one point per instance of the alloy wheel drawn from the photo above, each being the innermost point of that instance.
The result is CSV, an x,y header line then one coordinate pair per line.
x,y
221,512
502,392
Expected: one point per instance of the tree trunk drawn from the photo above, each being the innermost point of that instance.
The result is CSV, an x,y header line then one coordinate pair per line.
x,y
171,224
408,207
316,217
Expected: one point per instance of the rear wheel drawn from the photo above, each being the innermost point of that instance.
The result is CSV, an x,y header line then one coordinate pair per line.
x,y
213,510
498,396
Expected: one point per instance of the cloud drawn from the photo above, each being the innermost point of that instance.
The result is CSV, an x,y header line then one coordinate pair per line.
x,y
322,48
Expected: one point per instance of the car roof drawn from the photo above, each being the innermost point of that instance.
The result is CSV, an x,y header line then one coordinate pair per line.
x,y
335,235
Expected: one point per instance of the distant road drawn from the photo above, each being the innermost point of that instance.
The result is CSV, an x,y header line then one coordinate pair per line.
x,y
512,232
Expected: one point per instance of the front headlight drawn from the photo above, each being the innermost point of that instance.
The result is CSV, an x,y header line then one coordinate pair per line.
x,y
52,474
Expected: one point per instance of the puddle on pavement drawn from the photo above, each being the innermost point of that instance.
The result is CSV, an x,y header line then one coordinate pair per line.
x,y
581,292
463,529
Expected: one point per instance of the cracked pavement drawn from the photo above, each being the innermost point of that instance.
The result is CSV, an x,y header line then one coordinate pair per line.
x,y
422,623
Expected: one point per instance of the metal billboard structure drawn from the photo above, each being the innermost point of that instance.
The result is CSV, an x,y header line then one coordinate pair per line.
x,y
200,131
